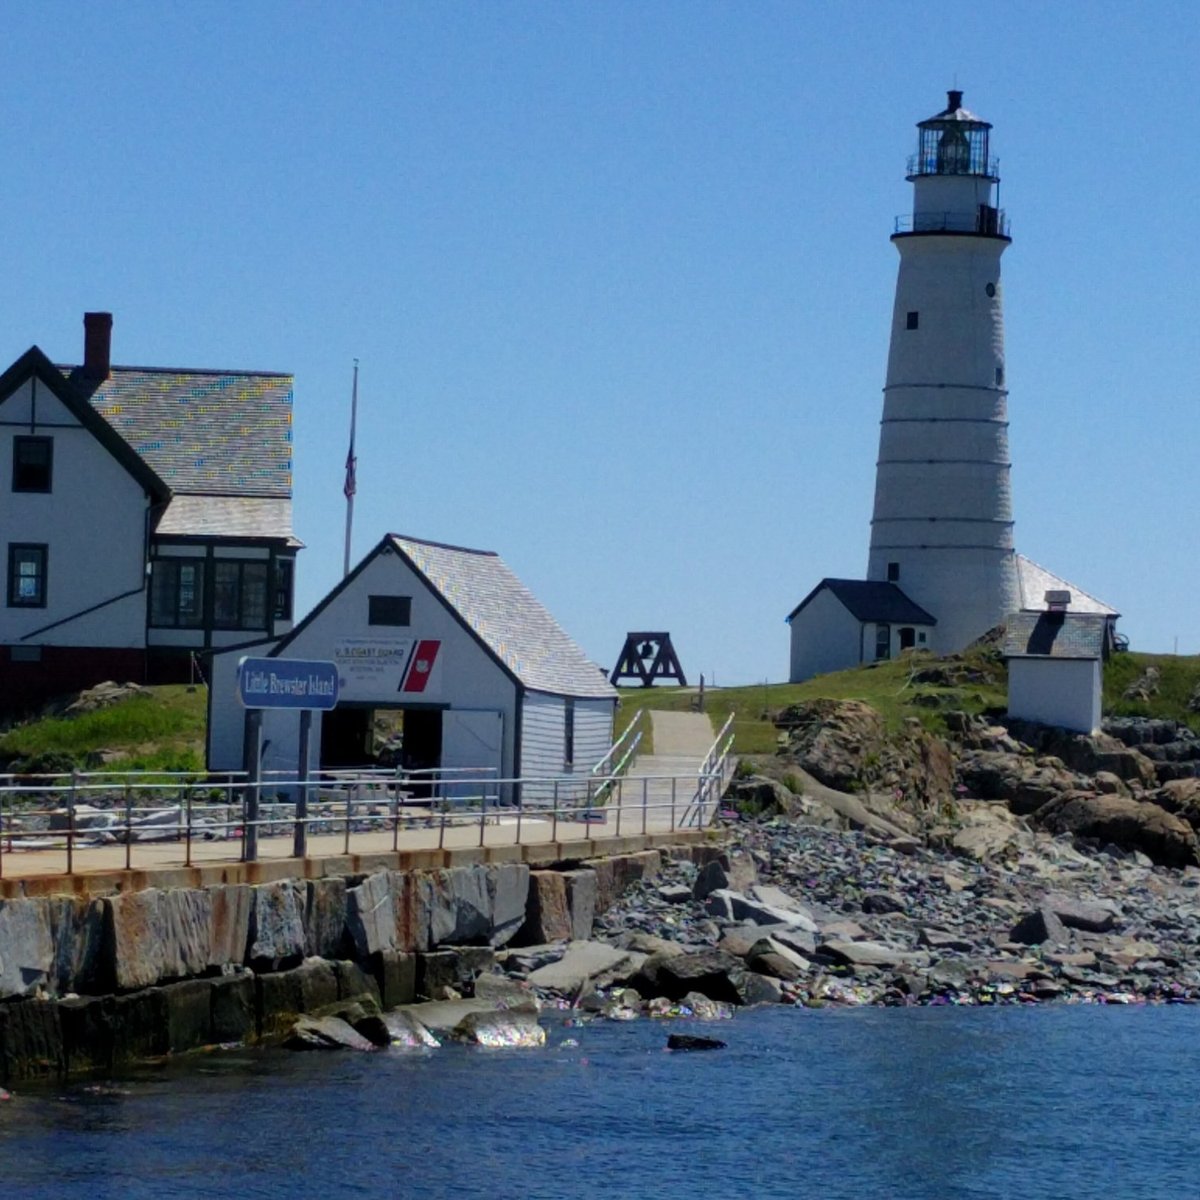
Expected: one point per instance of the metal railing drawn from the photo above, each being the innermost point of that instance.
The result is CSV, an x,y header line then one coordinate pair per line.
x,y
49,825
993,222
620,754
712,778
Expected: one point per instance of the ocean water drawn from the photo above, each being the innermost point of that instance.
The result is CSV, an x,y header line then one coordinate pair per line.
x,y
951,1102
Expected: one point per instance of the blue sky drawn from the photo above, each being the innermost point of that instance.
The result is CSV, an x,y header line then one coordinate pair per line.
x,y
618,275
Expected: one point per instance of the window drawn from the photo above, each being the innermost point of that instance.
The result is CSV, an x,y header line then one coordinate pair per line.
x,y
26,576
569,731
893,572
177,593
239,594
389,610
914,320
285,572
883,642
920,639
908,637
999,376
32,458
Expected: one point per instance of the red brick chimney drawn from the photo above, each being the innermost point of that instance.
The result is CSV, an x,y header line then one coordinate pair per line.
x,y
97,344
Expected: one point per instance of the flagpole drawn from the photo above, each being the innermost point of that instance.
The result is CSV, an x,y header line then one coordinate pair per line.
x,y
351,484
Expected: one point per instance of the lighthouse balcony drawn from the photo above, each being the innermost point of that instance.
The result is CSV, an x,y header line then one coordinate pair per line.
x,y
985,221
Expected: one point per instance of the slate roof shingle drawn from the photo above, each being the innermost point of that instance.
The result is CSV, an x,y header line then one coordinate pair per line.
x,y
1034,581
872,600
215,433
228,516
505,615
1055,635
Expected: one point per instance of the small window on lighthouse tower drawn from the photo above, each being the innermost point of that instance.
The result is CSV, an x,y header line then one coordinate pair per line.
x,y
893,572
914,320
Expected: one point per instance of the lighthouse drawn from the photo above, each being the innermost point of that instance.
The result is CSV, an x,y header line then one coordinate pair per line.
x,y
942,569
942,527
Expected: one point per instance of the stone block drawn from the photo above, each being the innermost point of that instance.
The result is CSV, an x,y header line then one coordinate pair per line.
x,y
30,1041
325,917
135,938
139,1024
234,1016
81,963
353,983
581,902
371,914
26,947
283,995
547,915
189,1014
508,892
411,900
460,909
396,974
456,967
186,930
606,883
277,922
229,928
87,1034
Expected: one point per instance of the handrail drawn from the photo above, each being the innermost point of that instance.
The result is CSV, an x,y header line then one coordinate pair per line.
x,y
712,770
190,816
614,772
629,729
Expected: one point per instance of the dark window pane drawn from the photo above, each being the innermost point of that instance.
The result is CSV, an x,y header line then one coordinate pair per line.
x,y
389,610
226,594
254,596
31,463
163,592
284,574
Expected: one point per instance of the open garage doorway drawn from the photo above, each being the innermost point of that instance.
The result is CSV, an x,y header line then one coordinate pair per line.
x,y
362,735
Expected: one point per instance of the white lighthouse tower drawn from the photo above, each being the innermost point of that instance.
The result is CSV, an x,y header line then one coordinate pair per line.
x,y
942,529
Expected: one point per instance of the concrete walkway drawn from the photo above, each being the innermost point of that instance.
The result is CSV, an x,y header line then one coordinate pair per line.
x,y
681,740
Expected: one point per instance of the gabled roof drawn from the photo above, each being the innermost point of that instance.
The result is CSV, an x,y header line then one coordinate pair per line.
x,y
497,610
871,600
34,364
214,433
1055,635
481,589
1034,581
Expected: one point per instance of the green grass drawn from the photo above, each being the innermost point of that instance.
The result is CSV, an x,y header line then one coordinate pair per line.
x,y
887,687
162,731
1180,676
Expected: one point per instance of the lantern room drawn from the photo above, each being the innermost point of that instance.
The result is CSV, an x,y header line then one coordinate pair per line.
x,y
955,180
955,142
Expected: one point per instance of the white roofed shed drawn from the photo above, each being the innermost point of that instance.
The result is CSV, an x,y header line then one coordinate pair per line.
x,y
449,637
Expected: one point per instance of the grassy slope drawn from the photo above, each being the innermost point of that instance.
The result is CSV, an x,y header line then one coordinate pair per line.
x,y
165,731
162,731
887,687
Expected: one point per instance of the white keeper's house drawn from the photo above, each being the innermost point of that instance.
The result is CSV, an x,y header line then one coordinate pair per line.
x,y
447,646
147,517
942,525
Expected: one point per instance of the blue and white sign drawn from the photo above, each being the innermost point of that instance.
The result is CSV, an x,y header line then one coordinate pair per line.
x,y
287,683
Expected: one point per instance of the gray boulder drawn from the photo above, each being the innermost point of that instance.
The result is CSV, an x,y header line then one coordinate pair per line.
x,y
501,1029
1041,925
277,922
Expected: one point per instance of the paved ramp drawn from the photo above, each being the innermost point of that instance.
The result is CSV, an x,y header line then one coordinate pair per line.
x,y
681,740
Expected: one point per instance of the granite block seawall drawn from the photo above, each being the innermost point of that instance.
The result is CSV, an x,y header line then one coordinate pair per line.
x,y
89,983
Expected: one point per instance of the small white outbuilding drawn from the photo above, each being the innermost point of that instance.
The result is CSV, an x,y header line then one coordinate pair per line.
x,y
844,622
1054,666
446,645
